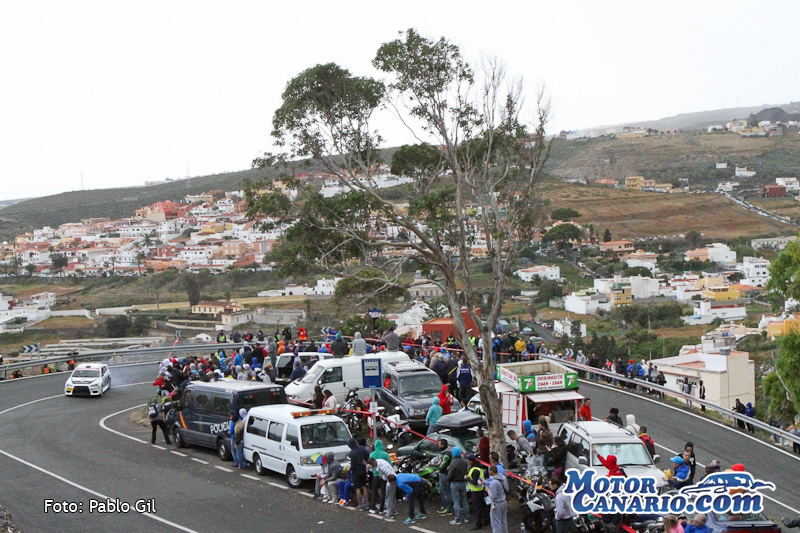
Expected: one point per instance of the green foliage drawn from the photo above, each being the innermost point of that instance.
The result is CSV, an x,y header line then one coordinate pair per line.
x,y
364,324
192,284
562,234
637,271
564,213
371,288
549,289
657,316
437,309
782,386
606,235
58,261
117,326
785,272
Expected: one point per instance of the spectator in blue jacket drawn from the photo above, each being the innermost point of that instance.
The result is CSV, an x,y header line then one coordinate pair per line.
x,y
411,485
680,478
697,525
464,377
434,413
298,371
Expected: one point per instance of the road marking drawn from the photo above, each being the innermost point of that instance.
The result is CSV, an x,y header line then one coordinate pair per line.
x,y
157,446
30,403
198,460
307,494
689,413
277,485
92,492
178,453
248,476
422,529
121,434
379,517
223,468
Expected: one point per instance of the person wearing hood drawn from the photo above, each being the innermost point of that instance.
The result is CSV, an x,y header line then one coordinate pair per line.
x,y
434,413
690,459
680,476
326,480
298,371
359,345
358,456
456,478
610,462
530,434
378,481
750,411
544,440
444,400
497,491
338,346
631,426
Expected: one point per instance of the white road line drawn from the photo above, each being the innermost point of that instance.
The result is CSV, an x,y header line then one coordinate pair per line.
x,y
770,498
223,468
92,492
178,453
307,494
703,418
277,485
379,517
199,460
422,529
30,403
248,476
157,446
114,431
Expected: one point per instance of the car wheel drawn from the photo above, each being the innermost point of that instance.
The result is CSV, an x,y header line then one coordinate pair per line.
x,y
177,439
292,479
260,470
222,451
534,522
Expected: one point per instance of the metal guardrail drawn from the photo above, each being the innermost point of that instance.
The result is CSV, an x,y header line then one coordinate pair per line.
x,y
107,354
654,386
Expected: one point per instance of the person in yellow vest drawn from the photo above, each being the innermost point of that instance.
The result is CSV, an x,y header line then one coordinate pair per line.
x,y
475,479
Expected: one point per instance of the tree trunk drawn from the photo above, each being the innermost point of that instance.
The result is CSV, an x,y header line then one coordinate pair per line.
x,y
494,417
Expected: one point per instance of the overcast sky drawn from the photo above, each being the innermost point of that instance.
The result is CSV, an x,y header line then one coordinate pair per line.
x,y
125,92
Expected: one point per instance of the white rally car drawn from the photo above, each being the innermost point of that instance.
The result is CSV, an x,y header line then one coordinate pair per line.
x,y
88,379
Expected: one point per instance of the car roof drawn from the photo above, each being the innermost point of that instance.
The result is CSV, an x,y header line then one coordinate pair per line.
x,y
90,366
227,385
601,431
408,367
283,413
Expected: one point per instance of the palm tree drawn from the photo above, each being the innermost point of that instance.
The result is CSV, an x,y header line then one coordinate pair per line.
x,y
140,256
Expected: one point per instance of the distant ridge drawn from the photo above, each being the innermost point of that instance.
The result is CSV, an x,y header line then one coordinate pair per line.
x,y
698,120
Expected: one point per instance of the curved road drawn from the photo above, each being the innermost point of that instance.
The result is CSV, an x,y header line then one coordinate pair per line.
x,y
54,447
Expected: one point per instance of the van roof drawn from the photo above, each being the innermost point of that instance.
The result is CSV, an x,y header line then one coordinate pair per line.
x,y
233,385
383,356
283,413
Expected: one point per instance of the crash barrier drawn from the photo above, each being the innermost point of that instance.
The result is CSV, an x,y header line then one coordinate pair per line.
x,y
109,354
656,387
408,429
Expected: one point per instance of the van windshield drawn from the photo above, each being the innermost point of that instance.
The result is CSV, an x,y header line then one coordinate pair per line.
x,y
312,375
628,454
324,435
420,384
255,398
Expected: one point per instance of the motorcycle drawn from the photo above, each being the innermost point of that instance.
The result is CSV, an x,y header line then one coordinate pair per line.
x,y
395,430
539,509
353,403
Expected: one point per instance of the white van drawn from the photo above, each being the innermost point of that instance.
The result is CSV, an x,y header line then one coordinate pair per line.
x,y
290,440
338,375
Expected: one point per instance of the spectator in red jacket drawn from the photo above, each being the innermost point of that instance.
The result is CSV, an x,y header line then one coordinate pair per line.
x,y
586,410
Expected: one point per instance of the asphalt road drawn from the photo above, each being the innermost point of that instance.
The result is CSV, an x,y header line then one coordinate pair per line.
x,y
53,447
671,427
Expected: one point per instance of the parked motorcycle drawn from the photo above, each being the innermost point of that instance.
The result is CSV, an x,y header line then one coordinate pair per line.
x,y
394,427
352,402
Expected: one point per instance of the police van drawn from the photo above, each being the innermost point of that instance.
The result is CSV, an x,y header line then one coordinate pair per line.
x,y
291,440
202,415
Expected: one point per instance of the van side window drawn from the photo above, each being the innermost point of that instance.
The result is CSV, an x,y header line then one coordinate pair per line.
x,y
222,405
201,403
331,375
579,447
292,437
393,384
257,426
187,398
275,431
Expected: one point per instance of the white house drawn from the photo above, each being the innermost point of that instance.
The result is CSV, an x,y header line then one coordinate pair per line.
x,y
586,302
777,243
641,287
742,172
640,258
705,313
727,374
551,272
44,300
790,183
727,186
722,165
563,328
755,271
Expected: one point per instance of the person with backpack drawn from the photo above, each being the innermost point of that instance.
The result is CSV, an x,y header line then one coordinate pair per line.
x,y
155,411
647,440
498,489
238,440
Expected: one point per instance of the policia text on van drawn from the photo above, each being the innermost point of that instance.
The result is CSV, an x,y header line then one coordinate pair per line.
x,y
202,415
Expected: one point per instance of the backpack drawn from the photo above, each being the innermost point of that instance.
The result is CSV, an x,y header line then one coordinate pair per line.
x,y
649,444
152,411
